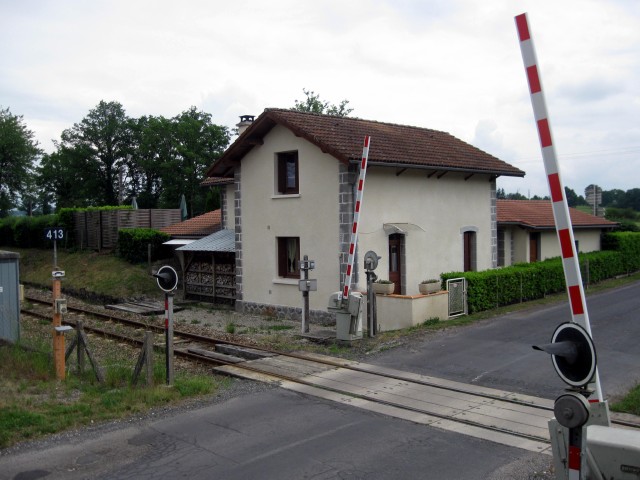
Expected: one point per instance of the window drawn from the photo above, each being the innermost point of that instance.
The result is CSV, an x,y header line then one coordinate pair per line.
x,y
289,257
287,171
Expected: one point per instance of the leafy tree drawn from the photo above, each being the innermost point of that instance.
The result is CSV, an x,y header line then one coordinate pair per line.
x,y
152,149
98,147
573,199
196,143
613,198
313,104
18,153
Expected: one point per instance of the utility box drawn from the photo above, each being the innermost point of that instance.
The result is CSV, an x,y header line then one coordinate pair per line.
x,y
9,296
348,317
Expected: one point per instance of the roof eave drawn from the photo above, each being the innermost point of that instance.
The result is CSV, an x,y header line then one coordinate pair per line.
x,y
443,168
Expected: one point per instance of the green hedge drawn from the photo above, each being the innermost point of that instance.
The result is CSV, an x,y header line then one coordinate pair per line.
x,y
628,244
133,244
26,232
527,281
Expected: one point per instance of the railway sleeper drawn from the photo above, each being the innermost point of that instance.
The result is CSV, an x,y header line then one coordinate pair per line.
x,y
243,352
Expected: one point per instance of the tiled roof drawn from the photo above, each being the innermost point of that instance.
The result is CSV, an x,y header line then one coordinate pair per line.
x,y
215,181
391,144
221,241
197,226
539,214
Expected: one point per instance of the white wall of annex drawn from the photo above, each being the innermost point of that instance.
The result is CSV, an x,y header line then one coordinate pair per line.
x,y
437,211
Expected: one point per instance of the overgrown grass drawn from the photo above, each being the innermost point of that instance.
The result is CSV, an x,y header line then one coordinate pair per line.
x,y
33,403
630,403
110,276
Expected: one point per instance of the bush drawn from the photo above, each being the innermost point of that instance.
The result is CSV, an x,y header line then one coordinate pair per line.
x,y
628,245
133,244
527,281
26,232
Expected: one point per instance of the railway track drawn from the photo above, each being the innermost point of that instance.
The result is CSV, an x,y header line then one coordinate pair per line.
x,y
504,417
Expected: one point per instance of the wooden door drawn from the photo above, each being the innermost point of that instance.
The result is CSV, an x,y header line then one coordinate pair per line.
x,y
534,247
395,261
469,241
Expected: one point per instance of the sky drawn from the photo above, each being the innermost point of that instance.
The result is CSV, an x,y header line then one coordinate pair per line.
x,y
449,65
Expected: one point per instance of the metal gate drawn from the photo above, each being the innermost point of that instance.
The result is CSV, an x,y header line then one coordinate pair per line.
x,y
457,288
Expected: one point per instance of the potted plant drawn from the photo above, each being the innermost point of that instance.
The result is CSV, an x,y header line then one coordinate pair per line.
x,y
431,285
384,287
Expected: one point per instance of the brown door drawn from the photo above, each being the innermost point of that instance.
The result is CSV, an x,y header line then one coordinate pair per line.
x,y
469,251
534,247
395,263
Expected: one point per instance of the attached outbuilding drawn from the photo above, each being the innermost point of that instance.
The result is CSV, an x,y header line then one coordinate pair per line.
x,y
527,232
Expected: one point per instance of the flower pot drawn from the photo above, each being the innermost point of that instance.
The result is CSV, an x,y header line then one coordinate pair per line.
x,y
427,288
384,288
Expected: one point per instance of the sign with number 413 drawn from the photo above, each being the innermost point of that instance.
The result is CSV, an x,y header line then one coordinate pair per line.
x,y
54,233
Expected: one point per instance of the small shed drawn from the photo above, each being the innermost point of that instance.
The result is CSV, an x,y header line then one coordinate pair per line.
x,y
9,296
209,268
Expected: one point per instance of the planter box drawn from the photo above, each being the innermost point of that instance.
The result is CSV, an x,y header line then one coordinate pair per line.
x,y
398,311
384,288
428,288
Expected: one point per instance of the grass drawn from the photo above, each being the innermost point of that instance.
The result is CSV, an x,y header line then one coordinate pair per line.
x,y
110,275
630,403
33,403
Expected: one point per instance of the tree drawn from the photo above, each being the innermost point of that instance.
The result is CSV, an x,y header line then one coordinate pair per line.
x,y
196,143
97,148
18,154
313,104
573,199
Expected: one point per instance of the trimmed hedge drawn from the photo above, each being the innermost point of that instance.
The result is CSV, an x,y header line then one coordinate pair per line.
x,y
628,244
527,281
26,232
133,244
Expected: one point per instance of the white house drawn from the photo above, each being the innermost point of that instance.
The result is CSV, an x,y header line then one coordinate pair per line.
x,y
429,205
527,232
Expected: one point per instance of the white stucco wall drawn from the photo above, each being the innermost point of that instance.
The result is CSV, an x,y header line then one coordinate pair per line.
x,y
437,209
588,240
312,215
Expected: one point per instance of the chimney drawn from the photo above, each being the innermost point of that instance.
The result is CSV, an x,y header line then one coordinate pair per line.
x,y
245,121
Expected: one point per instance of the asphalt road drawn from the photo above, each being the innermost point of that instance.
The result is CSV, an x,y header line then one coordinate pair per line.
x,y
278,434
497,352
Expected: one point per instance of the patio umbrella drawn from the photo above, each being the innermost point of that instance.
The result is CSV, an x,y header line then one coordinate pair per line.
x,y
183,208
134,204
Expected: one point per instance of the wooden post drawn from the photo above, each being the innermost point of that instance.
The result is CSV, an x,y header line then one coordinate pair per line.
x,y
58,337
148,353
81,346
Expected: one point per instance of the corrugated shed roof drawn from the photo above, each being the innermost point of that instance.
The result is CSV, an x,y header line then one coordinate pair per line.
x,y
391,144
221,241
199,226
539,214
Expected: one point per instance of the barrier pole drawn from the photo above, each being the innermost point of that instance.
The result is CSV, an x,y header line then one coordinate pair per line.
x,y
356,218
564,229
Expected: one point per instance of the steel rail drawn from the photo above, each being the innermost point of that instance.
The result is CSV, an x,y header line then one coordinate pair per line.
x,y
337,363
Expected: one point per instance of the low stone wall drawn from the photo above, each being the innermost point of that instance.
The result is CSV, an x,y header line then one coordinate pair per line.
x,y
320,317
403,311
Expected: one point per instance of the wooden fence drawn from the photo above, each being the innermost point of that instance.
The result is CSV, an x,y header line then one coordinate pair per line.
x,y
98,230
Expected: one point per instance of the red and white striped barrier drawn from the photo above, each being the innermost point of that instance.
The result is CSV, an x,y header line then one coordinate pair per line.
x,y
571,266
356,217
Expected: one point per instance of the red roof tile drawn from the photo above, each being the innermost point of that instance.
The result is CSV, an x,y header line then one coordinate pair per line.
x,y
199,226
390,144
215,181
539,214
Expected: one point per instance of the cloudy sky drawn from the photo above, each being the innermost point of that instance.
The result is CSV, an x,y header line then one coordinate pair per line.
x,y
451,65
